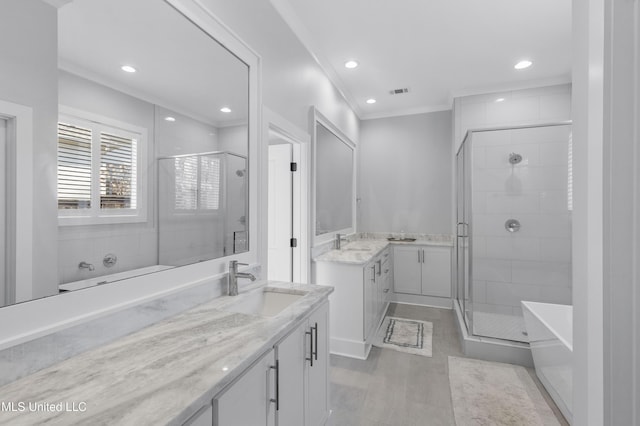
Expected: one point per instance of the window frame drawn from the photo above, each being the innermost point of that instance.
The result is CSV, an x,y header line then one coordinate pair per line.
x,y
95,215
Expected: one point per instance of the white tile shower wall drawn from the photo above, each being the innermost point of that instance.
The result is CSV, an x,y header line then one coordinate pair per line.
x,y
533,263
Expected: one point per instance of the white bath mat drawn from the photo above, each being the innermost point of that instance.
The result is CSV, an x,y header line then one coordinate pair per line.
x,y
489,393
405,335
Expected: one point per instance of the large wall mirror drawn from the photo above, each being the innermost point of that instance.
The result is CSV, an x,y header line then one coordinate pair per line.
x,y
334,181
151,139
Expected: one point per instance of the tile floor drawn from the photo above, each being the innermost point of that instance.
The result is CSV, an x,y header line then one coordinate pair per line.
x,y
392,388
500,326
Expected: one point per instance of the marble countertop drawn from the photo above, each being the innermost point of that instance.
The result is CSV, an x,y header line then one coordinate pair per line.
x,y
161,374
363,250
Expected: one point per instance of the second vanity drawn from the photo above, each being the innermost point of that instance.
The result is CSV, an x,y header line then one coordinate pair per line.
x,y
369,273
250,359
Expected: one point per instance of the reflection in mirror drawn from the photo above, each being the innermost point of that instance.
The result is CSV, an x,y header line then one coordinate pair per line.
x,y
334,164
201,197
182,96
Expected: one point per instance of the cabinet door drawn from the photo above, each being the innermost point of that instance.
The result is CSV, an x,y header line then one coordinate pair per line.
x,y
370,293
436,272
204,417
317,385
291,353
407,269
384,284
247,401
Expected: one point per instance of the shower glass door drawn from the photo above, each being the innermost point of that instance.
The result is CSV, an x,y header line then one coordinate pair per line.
x,y
463,243
520,224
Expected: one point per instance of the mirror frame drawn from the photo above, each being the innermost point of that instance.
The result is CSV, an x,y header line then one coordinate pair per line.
x,y
44,316
315,119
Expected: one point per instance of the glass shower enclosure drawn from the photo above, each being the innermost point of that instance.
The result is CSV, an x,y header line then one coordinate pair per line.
x,y
513,231
203,205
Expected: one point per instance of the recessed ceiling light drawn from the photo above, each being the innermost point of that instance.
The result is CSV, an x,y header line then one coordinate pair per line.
x,y
500,100
523,64
371,101
128,68
351,64
172,119
225,109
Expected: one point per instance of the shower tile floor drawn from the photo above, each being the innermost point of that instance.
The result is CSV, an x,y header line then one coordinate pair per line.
x,y
500,326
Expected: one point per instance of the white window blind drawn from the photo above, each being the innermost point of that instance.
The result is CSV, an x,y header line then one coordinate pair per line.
x,y
74,167
197,183
118,170
209,183
98,170
186,186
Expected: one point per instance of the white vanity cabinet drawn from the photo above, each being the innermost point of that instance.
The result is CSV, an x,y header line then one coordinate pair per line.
x,y
358,302
288,386
248,400
303,372
422,270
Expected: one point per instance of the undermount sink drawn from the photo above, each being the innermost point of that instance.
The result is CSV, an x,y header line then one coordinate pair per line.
x,y
265,303
356,249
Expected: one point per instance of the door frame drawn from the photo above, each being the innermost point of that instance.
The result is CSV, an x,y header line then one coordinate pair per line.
x,y
19,190
300,142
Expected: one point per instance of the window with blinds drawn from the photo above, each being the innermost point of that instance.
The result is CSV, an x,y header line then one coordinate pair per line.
x,y
98,167
118,165
74,167
197,183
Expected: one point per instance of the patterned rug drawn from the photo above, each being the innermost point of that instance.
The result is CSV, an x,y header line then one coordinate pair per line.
x,y
405,335
490,393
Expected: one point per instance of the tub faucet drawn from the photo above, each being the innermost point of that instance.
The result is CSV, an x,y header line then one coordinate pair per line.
x,y
85,265
234,275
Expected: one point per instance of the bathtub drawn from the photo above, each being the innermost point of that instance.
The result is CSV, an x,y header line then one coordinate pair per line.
x,y
550,329
104,279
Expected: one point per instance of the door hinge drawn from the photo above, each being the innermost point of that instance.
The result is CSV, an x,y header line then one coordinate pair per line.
x,y
293,242
294,167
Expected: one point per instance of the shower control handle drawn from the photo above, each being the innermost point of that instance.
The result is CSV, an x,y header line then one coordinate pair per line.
x,y
512,225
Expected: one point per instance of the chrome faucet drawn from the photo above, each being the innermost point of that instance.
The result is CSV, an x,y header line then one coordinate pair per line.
x,y
338,241
85,265
234,275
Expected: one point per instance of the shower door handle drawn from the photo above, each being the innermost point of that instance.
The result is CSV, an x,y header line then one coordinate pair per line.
x,y
461,233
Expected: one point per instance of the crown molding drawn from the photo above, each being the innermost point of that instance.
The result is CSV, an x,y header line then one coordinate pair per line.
x,y
407,111
509,87
57,3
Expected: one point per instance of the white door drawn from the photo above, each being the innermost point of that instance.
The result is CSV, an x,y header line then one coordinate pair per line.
x,y
407,270
248,401
3,206
370,290
317,398
291,355
436,272
280,255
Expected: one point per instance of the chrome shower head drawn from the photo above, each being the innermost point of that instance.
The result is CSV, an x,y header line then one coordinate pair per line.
x,y
515,158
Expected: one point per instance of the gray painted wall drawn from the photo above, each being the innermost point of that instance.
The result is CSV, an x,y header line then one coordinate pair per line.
x,y
404,174
30,78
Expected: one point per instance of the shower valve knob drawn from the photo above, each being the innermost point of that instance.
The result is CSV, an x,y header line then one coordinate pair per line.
x,y
512,225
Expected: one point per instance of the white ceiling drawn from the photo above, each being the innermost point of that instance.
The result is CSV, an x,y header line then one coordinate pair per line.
x,y
439,49
96,37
